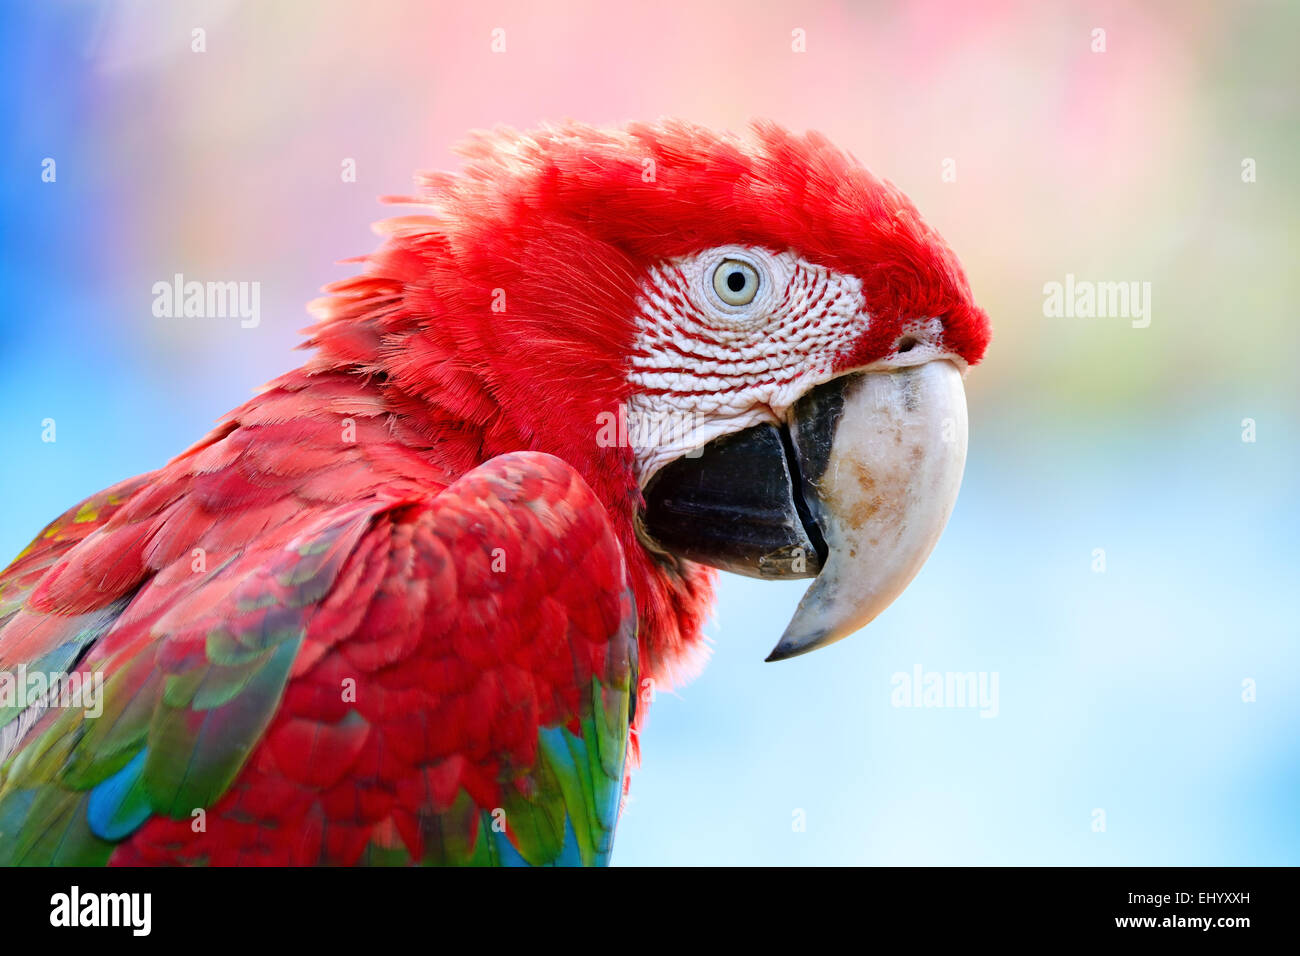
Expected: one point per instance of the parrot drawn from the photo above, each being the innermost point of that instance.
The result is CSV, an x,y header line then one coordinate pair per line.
x,y
404,605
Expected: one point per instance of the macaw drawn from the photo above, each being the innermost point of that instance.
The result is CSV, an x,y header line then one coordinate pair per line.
x,y
403,605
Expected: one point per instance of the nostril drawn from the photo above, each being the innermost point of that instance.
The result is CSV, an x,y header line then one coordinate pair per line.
x,y
906,344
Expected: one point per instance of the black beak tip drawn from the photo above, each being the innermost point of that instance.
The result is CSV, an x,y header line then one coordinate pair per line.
x,y
786,649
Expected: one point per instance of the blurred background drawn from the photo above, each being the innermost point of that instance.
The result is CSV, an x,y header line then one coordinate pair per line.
x,y
1147,710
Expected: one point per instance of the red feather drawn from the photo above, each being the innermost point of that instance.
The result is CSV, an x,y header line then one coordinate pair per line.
x,y
348,498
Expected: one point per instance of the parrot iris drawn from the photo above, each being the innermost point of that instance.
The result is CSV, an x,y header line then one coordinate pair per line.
x,y
401,606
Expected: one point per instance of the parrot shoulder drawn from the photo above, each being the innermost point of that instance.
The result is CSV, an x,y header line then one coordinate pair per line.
x,y
437,678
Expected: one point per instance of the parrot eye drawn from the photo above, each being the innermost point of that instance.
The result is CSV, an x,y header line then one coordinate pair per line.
x,y
735,282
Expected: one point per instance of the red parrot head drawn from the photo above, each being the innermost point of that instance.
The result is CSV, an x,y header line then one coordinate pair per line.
x,y
751,348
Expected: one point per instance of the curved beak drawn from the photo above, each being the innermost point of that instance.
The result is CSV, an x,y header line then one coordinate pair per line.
x,y
881,485
854,488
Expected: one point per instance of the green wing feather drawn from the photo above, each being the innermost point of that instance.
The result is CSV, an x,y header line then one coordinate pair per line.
x,y
192,683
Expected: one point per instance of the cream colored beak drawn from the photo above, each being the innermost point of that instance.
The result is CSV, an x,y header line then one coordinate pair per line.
x,y
880,480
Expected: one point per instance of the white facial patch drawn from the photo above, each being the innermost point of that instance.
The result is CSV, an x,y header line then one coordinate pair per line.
x,y
702,368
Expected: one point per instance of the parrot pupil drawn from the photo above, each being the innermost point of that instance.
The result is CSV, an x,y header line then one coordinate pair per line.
x,y
736,281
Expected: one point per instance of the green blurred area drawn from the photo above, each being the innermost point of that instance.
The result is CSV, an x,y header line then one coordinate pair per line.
x,y
1150,187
